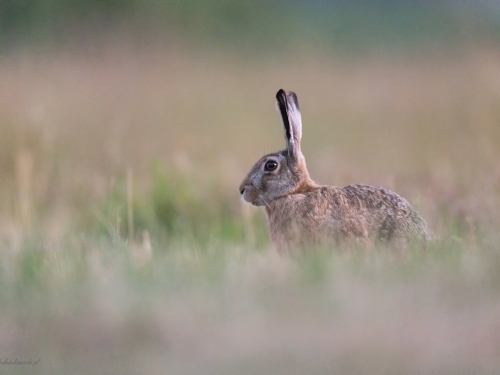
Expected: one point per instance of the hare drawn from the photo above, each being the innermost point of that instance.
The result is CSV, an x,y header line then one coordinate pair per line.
x,y
301,213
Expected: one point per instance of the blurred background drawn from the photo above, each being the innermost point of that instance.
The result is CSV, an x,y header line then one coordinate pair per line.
x,y
132,123
402,94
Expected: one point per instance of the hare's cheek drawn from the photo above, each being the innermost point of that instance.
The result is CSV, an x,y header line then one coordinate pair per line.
x,y
257,181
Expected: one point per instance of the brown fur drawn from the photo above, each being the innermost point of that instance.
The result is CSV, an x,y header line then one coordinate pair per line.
x,y
302,214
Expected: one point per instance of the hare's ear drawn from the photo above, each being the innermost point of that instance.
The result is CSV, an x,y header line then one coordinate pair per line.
x,y
288,106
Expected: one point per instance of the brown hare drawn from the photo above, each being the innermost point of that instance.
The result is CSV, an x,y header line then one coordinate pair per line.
x,y
301,213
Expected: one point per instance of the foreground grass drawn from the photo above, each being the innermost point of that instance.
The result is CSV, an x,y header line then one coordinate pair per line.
x,y
86,305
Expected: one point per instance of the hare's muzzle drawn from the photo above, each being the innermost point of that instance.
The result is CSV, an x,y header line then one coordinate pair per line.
x,y
242,187
249,193
246,193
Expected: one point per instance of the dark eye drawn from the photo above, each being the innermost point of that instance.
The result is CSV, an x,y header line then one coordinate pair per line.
x,y
270,166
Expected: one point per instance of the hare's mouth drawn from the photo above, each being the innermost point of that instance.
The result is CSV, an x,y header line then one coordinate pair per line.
x,y
250,194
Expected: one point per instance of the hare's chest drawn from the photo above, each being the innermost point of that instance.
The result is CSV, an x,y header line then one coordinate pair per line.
x,y
296,222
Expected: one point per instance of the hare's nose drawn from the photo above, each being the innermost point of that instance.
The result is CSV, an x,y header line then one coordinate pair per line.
x,y
242,189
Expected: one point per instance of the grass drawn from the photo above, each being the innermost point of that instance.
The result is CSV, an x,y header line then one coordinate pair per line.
x,y
125,248
89,307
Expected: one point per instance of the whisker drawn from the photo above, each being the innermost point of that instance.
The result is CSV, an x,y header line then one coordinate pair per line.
x,y
264,200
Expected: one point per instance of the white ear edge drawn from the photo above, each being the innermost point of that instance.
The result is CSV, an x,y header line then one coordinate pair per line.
x,y
294,117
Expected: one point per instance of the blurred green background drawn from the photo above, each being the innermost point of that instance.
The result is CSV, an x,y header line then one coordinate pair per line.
x,y
127,126
260,25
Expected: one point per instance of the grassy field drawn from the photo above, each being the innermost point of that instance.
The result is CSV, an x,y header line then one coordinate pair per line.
x,y
125,247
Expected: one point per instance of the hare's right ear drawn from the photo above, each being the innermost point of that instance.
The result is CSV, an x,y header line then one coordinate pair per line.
x,y
288,106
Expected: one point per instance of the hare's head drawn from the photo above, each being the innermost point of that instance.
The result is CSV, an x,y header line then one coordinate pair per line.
x,y
284,172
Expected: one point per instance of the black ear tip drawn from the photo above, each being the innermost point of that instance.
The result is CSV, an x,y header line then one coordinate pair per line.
x,y
281,94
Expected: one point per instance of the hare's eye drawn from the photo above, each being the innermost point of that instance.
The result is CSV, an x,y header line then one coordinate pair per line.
x,y
270,165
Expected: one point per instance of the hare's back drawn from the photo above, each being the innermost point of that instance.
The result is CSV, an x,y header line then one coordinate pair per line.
x,y
377,198
355,199
370,211
390,215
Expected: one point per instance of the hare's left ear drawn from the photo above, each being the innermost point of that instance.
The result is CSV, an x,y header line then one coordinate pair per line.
x,y
288,106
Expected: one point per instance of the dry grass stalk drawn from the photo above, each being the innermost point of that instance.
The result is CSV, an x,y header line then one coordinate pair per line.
x,y
24,177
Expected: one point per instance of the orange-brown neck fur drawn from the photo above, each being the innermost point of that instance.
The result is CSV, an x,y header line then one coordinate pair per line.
x,y
306,186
